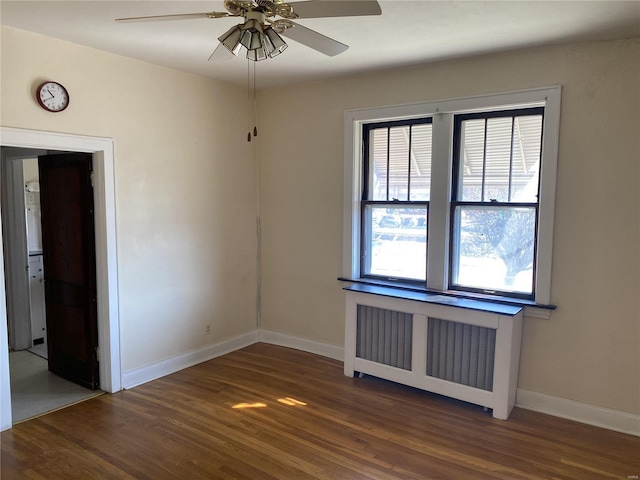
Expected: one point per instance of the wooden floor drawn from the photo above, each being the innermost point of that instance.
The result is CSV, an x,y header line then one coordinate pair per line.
x,y
298,417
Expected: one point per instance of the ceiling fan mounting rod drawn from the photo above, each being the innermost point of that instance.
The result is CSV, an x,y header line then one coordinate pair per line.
x,y
255,15
267,7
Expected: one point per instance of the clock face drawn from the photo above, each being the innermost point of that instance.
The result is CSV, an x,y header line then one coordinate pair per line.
x,y
52,96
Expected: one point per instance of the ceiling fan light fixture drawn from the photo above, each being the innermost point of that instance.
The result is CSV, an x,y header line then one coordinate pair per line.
x,y
231,39
275,41
261,42
257,54
267,50
252,37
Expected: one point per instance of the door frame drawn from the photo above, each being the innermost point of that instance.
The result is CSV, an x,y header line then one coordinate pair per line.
x,y
103,152
15,241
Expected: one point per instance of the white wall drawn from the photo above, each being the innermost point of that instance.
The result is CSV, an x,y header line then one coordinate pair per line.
x,y
587,351
185,187
30,169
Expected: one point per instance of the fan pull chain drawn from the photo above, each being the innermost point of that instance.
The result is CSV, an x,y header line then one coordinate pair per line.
x,y
255,106
251,94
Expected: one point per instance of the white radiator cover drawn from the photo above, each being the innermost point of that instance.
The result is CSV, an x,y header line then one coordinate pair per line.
x,y
461,353
384,336
471,355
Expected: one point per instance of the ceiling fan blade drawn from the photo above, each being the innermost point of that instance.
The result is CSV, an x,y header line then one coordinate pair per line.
x,y
333,8
178,16
315,40
221,54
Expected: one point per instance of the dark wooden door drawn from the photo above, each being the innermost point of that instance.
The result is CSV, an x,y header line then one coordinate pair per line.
x,y
68,247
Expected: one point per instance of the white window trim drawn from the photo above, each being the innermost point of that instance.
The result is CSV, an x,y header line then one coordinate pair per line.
x,y
443,112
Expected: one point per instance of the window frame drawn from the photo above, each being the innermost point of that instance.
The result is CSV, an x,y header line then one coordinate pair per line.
x,y
439,216
363,243
367,128
487,291
458,120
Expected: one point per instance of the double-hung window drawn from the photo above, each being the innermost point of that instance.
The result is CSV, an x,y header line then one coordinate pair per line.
x,y
395,199
454,196
494,206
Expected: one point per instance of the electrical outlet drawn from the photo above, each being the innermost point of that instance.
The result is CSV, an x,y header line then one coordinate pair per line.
x,y
207,329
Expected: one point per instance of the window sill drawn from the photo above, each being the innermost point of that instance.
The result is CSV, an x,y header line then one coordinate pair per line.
x,y
531,308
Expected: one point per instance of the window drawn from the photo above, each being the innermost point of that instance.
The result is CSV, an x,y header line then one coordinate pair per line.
x,y
494,205
455,195
395,200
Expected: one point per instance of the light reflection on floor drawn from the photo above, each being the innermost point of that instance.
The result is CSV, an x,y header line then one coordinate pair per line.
x,y
292,402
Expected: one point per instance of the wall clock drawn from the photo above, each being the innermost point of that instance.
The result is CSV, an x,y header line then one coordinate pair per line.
x,y
52,96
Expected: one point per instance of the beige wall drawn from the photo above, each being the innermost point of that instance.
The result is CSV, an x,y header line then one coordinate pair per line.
x,y
588,350
186,198
185,187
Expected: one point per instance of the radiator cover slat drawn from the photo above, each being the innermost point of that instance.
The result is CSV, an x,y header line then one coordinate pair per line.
x,y
384,336
456,352
461,353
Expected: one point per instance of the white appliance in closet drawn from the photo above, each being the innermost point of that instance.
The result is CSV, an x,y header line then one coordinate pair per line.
x,y
36,266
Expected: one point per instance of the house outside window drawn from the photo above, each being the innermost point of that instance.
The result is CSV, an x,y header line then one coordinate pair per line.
x,y
455,195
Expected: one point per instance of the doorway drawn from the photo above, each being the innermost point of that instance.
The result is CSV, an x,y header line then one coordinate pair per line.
x,y
102,151
50,196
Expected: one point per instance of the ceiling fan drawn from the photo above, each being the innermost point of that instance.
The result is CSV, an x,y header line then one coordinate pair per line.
x,y
266,20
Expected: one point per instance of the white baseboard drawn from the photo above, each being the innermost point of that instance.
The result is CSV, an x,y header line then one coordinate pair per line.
x,y
558,407
580,412
291,341
538,402
136,377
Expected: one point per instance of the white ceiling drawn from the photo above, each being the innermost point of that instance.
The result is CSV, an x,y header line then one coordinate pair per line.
x,y
407,32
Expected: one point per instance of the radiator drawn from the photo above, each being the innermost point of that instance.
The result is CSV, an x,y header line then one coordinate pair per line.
x,y
461,353
457,352
467,353
384,336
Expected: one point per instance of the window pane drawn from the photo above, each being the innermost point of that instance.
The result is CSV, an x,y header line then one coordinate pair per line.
x,y
472,160
378,141
395,241
420,181
527,145
500,159
493,248
398,163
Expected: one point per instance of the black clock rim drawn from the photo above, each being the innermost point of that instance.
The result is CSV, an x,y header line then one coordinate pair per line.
x,y
43,105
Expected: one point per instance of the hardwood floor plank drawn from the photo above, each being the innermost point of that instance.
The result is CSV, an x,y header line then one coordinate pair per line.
x,y
314,424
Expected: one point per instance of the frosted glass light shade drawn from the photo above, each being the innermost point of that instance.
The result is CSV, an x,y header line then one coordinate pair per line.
x,y
231,39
